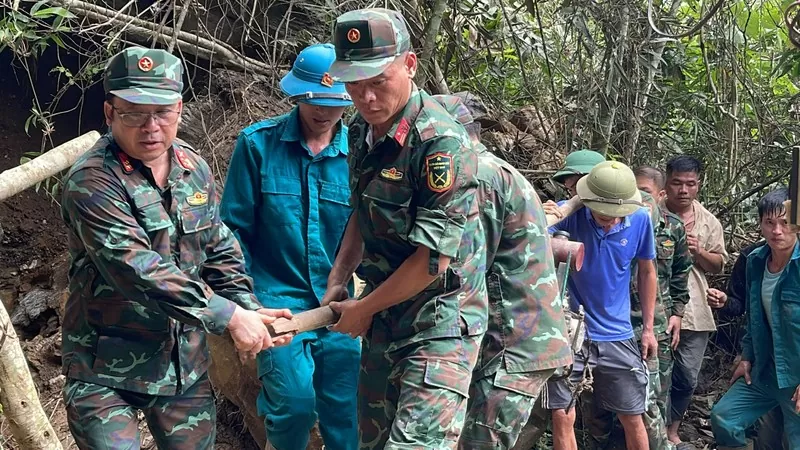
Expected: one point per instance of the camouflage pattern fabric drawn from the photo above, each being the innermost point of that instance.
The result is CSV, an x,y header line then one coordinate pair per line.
x,y
673,264
144,76
151,271
416,186
102,418
367,41
526,340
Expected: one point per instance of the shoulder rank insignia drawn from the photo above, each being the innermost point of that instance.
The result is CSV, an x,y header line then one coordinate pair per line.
x,y
439,167
668,243
125,161
184,160
402,131
392,174
199,198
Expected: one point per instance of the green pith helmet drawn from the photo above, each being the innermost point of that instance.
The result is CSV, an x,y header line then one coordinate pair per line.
x,y
578,163
610,190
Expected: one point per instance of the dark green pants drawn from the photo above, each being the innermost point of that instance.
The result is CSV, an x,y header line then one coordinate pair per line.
x,y
102,418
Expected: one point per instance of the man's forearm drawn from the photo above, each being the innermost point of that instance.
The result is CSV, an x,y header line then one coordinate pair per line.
x,y
350,254
647,294
407,281
709,262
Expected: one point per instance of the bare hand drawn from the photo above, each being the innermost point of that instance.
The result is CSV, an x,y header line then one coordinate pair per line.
x,y
674,330
716,298
796,398
743,370
551,209
335,293
649,345
693,243
353,320
268,316
249,333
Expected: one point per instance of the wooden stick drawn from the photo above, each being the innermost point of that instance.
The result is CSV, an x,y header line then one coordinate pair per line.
x,y
566,209
304,321
17,179
26,418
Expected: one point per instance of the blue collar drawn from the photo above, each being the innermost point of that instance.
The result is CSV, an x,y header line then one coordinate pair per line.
x,y
293,133
762,253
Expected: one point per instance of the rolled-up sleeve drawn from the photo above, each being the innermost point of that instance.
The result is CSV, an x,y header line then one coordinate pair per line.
x,y
97,210
446,187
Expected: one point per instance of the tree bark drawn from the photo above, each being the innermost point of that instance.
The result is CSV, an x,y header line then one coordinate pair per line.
x,y
429,39
609,102
643,94
50,163
28,422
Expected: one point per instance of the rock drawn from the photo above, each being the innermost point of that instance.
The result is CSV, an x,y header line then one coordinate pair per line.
x,y
31,306
9,298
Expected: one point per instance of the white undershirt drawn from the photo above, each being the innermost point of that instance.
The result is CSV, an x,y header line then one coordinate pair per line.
x,y
768,284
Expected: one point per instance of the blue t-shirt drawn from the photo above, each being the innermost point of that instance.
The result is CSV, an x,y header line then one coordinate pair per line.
x,y
603,284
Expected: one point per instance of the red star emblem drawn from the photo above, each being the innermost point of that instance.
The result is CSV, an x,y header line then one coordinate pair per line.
x,y
353,35
327,80
145,64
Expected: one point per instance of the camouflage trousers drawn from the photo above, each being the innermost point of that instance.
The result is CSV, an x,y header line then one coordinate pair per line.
x,y
600,423
499,406
415,396
102,418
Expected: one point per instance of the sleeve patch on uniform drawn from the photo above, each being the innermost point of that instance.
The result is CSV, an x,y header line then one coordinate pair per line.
x,y
439,167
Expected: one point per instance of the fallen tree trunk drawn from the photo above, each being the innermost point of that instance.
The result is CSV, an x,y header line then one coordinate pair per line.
x,y
28,422
50,163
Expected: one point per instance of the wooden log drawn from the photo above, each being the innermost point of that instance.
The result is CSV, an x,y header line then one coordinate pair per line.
x,y
50,163
26,418
567,209
304,321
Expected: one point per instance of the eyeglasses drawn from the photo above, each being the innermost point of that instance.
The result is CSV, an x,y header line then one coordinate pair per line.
x,y
163,118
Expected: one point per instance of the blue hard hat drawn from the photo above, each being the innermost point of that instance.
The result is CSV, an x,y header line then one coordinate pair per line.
x,y
309,80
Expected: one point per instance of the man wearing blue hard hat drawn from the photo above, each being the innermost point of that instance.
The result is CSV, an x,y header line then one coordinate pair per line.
x,y
286,198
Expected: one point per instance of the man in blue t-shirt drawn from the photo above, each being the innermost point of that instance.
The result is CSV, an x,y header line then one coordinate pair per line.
x,y
615,232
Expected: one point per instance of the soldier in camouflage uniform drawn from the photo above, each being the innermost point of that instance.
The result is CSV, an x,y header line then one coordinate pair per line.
x,y
152,270
527,338
417,237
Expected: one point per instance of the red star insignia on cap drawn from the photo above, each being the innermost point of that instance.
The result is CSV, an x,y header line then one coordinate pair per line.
x,y
145,64
353,35
327,80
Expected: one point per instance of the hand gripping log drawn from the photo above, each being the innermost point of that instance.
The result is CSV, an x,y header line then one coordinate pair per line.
x,y
324,315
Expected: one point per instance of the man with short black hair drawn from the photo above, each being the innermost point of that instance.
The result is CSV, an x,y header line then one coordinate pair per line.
x,y
705,238
769,372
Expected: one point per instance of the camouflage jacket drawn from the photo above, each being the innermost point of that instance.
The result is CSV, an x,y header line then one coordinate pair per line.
x,y
527,327
151,271
416,186
673,262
